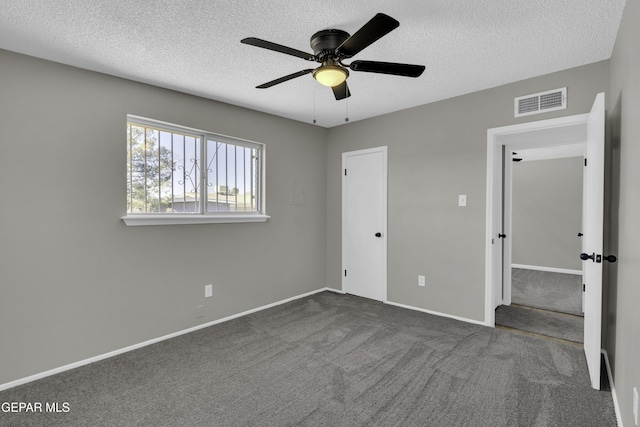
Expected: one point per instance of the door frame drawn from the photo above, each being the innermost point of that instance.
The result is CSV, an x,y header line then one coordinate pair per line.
x,y
345,155
568,130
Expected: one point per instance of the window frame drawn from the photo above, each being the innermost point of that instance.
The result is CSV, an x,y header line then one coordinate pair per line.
x,y
203,217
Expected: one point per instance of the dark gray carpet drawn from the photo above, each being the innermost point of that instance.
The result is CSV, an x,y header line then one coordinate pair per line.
x,y
330,360
550,291
553,324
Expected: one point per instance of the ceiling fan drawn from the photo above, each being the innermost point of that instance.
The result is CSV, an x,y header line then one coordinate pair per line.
x,y
331,47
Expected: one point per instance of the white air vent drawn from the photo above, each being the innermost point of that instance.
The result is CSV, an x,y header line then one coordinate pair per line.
x,y
541,102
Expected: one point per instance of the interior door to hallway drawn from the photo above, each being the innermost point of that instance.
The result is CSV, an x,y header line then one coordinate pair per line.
x,y
364,223
593,238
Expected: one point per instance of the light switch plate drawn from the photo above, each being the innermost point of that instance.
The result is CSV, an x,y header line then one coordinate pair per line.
x,y
462,200
208,291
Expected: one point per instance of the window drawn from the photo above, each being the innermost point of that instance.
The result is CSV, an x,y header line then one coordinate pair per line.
x,y
177,175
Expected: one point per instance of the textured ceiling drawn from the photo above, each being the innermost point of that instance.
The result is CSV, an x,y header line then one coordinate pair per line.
x,y
194,46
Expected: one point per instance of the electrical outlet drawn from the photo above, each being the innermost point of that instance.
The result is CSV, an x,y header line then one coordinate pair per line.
x,y
208,291
421,281
635,405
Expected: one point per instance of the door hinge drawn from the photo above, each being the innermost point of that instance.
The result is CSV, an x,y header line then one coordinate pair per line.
x,y
584,288
585,161
345,172
345,273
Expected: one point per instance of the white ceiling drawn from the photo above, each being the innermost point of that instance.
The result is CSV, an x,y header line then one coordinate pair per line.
x,y
194,46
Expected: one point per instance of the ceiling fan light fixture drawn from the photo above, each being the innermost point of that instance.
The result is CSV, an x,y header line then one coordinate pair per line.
x,y
331,75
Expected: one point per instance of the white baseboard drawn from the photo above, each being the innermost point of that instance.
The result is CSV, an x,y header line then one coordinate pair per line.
x,y
424,310
614,395
436,313
74,365
549,269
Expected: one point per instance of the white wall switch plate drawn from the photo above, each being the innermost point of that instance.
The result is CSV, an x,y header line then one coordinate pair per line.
x,y
462,200
421,281
208,291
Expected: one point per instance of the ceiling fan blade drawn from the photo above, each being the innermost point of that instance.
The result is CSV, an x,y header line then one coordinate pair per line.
x,y
278,48
341,91
407,70
284,79
379,26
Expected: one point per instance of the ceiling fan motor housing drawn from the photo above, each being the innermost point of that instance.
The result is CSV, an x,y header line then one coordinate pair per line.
x,y
325,42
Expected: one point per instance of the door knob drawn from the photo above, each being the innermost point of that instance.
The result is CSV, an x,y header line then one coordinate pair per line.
x,y
585,257
597,258
502,236
378,234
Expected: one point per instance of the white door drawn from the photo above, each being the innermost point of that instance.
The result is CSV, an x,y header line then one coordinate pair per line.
x,y
364,223
581,234
592,239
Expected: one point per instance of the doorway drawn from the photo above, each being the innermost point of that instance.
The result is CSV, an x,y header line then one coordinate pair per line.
x,y
543,210
584,128
364,223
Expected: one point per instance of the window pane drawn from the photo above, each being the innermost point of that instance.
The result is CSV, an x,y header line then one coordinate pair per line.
x,y
137,191
163,171
165,176
187,174
230,187
216,176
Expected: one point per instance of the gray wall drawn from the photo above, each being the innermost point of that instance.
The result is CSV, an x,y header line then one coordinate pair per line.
x,y
547,212
436,152
623,323
75,282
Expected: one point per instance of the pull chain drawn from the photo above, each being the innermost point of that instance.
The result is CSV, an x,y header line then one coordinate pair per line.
x,y
346,105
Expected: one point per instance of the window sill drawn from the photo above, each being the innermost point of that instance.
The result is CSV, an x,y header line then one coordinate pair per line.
x,y
137,220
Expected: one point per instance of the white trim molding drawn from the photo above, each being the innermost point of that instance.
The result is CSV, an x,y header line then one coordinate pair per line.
x,y
436,313
137,220
614,395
